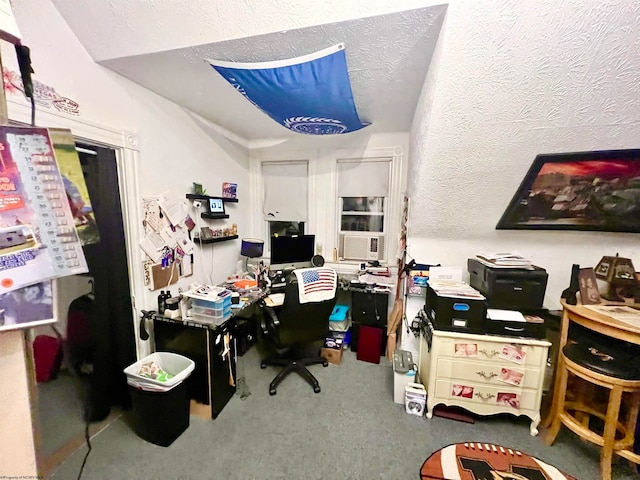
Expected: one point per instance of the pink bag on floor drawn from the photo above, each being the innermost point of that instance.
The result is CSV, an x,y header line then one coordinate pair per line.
x,y
47,355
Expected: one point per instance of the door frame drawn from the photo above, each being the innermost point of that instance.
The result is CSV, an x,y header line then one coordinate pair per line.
x,y
125,145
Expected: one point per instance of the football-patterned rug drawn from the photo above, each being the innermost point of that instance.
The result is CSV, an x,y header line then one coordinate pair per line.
x,y
481,461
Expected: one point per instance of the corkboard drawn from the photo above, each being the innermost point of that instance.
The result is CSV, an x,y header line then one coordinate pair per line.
x,y
159,277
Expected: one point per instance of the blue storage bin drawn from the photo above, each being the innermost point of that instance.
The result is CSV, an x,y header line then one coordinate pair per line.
x,y
339,313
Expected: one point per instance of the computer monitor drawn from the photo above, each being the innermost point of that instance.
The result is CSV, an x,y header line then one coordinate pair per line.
x,y
291,251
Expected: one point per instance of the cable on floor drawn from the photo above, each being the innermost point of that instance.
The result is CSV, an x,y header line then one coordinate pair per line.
x,y
242,388
88,440
87,423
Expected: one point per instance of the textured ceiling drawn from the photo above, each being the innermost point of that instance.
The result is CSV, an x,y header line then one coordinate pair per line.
x,y
387,55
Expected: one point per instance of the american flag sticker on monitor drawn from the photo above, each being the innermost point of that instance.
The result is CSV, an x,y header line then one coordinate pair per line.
x,y
316,284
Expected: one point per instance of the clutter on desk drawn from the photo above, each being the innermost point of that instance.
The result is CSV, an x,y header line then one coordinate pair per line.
x,y
504,260
209,304
245,284
274,300
381,283
235,299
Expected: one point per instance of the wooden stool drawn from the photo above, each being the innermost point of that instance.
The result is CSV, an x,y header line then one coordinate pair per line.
x,y
616,372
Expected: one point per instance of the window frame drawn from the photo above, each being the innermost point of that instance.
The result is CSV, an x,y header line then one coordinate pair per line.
x,y
387,201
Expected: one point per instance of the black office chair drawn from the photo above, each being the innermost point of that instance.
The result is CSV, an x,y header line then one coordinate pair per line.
x,y
294,326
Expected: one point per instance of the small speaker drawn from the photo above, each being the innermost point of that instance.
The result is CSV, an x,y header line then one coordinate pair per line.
x,y
317,260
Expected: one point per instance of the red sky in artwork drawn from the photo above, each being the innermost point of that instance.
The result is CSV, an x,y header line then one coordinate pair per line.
x,y
606,168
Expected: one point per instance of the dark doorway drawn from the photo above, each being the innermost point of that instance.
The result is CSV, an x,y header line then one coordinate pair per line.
x,y
94,386
111,326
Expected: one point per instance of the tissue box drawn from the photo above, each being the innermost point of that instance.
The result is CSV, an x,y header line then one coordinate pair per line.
x,y
415,398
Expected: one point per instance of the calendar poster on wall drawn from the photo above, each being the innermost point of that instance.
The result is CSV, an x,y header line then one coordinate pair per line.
x,y
38,239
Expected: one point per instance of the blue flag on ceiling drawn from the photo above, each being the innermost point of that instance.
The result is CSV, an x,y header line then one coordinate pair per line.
x,y
309,94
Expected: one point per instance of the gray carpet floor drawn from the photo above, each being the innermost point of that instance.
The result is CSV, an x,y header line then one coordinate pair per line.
x,y
60,409
351,430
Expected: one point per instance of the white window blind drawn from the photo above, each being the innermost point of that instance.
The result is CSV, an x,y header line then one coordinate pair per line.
x,y
285,191
363,178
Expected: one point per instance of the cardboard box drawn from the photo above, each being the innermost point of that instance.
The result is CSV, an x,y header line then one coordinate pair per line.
x,y
333,355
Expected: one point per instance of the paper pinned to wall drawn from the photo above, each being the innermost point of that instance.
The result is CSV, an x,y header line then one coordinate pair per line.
x,y
166,240
172,208
151,210
148,247
183,240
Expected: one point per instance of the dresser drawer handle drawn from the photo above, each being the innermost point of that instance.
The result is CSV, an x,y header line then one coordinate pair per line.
x,y
485,376
490,354
485,396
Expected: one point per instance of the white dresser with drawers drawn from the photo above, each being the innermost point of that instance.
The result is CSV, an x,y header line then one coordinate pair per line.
x,y
484,374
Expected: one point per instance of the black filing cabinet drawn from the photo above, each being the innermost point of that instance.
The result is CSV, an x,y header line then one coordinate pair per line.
x,y
212,382
369,308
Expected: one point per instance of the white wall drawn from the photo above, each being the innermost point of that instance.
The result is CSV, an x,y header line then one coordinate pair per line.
x,y
510,80
175,149
322,155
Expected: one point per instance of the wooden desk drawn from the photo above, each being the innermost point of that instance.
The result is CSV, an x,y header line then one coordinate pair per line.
x,y
597,322
617,437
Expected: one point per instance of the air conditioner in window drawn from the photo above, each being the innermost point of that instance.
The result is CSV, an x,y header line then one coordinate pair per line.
x,y
362,247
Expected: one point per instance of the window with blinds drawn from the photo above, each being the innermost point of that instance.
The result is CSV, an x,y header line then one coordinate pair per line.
x,y
285,196
363,190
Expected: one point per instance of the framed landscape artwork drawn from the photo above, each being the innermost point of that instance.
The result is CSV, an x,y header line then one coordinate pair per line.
x,y
578,191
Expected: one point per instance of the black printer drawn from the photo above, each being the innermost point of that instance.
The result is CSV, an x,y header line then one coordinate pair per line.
x,y
509,288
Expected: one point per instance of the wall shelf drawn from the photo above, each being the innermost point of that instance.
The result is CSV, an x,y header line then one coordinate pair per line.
x,y
195,196
214,240
213,216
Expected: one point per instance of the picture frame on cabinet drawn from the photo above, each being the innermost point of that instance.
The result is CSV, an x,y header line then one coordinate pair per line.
x,y
589,292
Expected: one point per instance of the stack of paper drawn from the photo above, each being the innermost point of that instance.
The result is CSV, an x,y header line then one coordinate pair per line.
x,y
275,299
504,259
455,290
505,315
